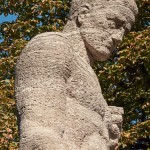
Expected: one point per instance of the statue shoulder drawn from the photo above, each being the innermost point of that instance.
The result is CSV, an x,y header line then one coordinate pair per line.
x,y
47,39
51,36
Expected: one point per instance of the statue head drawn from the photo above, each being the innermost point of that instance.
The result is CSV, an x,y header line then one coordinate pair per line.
x,y
102,23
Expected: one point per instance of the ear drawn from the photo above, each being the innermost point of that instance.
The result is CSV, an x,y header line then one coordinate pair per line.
x,y
84,9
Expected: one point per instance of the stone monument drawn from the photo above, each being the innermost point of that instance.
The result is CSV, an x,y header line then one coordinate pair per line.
x,y
59,99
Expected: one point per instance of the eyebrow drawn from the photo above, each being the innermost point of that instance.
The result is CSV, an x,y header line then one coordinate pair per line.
x,y
126,9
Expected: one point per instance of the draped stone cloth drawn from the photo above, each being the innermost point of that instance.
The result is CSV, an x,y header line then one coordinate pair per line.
x,y
59,99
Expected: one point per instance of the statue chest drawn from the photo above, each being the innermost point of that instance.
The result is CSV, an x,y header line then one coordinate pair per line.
x,y
83,85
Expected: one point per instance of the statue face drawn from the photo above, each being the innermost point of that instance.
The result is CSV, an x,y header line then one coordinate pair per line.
x,y
103,28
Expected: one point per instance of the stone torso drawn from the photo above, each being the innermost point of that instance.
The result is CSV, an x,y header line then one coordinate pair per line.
x,y
59,99
59,92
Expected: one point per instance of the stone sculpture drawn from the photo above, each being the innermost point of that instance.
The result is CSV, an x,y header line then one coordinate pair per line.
x,y
58,95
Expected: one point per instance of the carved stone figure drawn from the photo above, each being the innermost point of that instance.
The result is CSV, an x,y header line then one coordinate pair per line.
x,y
59,99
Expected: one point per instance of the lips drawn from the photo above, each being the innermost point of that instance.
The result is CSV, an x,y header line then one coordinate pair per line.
x,y
109,44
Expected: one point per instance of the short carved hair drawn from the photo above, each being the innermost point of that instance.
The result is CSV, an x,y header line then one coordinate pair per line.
x,y
77,4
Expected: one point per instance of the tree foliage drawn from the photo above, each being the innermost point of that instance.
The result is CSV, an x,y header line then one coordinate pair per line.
x,y
125,78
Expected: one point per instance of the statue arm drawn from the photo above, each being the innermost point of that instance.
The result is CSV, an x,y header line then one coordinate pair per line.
x,y
41,73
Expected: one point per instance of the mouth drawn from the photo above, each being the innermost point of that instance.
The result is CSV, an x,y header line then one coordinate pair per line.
x,y
110,44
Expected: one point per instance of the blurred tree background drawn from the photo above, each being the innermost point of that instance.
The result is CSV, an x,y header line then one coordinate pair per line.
x,y
124,78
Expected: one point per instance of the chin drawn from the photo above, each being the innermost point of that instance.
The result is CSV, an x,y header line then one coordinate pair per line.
x,y
100,53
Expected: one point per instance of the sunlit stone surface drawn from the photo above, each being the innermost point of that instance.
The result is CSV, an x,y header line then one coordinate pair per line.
x,y
59,99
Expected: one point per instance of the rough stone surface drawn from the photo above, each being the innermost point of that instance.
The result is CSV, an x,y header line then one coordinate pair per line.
x,y
59,99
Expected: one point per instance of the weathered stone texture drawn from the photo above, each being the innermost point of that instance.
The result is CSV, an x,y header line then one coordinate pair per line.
x,y
59,99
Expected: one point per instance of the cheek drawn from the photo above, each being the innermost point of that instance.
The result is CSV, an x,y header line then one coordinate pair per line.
x,y
94,37
91,21
100,22
98,39
95,43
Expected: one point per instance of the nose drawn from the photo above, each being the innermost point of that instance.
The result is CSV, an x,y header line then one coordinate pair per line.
x,y
117,38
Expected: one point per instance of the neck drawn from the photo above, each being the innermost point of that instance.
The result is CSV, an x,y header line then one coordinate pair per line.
x,y
72,31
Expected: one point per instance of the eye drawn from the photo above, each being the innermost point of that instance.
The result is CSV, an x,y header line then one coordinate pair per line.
x,y
112,24
116,22
119,22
